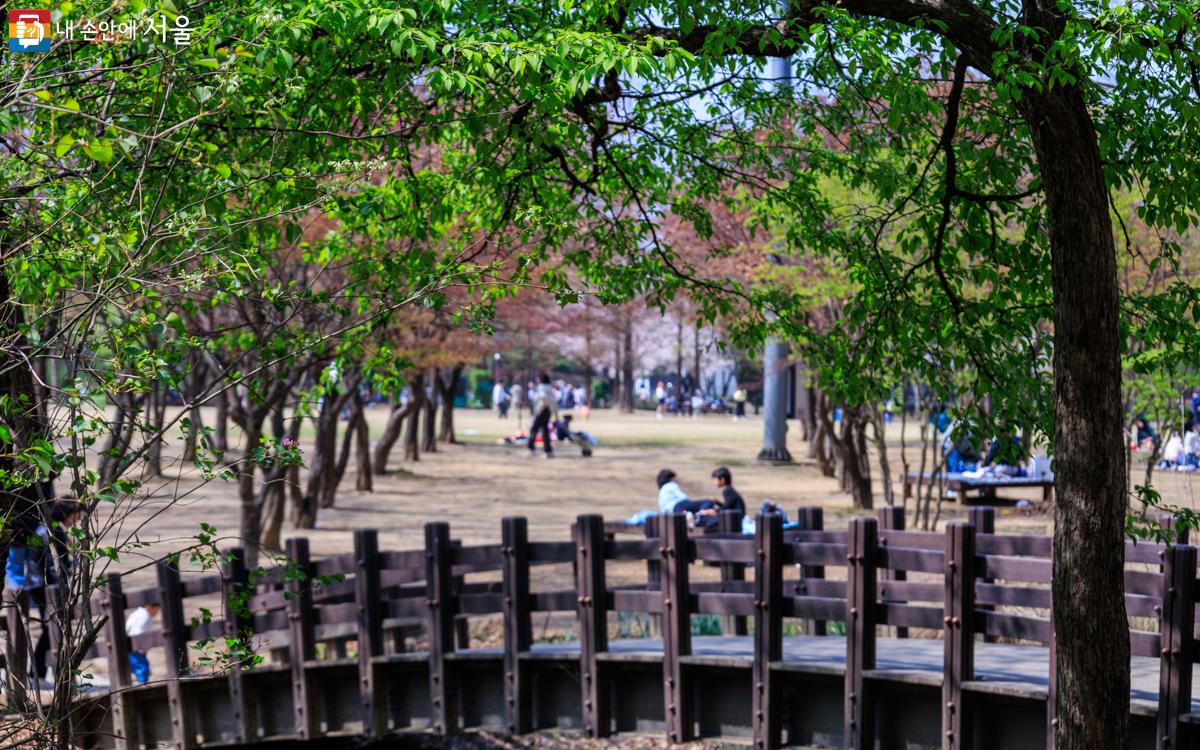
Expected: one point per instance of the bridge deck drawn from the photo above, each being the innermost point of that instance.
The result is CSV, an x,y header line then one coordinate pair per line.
x,y
1002,668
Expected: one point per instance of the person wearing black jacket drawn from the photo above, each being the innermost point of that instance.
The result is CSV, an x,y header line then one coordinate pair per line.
x,y
730,499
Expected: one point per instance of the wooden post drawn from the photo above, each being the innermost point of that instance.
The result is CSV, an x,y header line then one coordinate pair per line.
x,y
958,633
592,589
368,595
1178,621
238,623
860,632
1052,686
518,624
677,626
440,599
301,625
984,520
653,572
731,523
175,640
812,519
768,629
891,518
462,628
116,646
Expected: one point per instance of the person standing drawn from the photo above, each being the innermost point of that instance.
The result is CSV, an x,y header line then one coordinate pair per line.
x,y
660,397
138,623
36,562
515,398
545,413
739,403
500,399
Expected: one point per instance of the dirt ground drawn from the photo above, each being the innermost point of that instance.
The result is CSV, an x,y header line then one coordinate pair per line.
x,y
477,482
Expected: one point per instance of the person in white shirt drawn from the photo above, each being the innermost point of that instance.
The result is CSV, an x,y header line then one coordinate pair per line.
x,y
672,499
660,396
138,623
500,399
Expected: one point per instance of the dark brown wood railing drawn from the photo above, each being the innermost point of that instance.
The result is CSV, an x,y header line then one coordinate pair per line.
x,y
970,587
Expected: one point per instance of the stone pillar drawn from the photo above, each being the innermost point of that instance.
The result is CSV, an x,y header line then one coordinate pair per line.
x,y
775,392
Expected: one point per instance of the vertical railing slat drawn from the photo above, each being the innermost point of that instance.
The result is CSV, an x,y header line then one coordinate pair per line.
x,y
439,584
175,639
1178,622
592,591
235,590
518,624
768,629
958,633
676,625
811,519
302,629
860,632
891,518
116,645
731,523
368,597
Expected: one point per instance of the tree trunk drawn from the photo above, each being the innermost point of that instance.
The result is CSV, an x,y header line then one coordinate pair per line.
x,y
775,388
429,421
220,437
627,399
1089,513
251,520
447,389
156,408
391,433
362,435
412,435
274,494
696,357
330,488
324,457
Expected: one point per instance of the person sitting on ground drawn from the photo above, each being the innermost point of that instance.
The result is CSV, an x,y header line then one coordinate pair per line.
x,y
731,499
1191,446
1172,452
138,623
672,499
563,432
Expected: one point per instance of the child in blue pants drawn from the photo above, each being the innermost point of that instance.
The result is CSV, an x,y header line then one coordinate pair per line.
x,y
139,622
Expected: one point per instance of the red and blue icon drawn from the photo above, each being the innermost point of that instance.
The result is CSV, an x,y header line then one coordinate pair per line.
x,y
29,30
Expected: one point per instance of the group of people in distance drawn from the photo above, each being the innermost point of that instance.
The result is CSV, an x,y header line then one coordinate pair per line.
x,y
667,401
565,395
672,498
547,427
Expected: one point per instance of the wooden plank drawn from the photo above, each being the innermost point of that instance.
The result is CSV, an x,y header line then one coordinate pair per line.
x,y
722,550
368,596
909,615
518,624
239,624
593,622
116,645
631,549
721,604
1178,623
891,522
676,627
1007,625
547,553
1014,545
635,600
811,520
862,558
984,520
768,630
730,522
1014,568
439,598
303,647
554,601
916,560
654,570
958,634
1012,596
174,633
814,553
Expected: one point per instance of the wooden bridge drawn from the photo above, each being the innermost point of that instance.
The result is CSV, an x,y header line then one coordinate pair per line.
x,y
815,648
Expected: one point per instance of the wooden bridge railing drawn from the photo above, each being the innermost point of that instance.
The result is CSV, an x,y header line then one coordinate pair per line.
x,y
873,577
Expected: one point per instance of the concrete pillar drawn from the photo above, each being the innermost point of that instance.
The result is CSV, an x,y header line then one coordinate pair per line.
x,y
775,394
